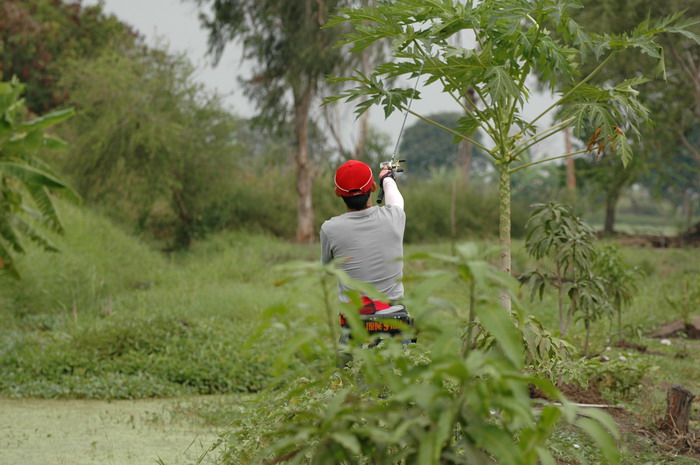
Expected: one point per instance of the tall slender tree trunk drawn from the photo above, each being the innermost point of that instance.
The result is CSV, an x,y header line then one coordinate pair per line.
x,y
570,170
504,227
688,208
610,205
185,227
305,171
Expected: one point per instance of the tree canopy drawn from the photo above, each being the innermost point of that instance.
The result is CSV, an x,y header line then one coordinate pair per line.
x,y
37,36
159,148
672,97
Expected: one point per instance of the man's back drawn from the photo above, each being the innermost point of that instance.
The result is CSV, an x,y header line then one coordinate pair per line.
x,y
372,240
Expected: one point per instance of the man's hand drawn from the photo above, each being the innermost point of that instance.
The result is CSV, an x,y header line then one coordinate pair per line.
x,y
386,174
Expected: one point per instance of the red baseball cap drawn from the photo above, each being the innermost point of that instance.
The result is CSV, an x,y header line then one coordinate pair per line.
x,y
353,178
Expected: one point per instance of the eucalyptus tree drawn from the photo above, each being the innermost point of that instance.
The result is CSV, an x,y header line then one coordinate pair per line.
x,y
511,40
291,55
27,182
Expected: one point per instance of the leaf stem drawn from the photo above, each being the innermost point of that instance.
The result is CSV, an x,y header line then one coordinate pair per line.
x,y
451,131
585,80
526,69
549,132
527,165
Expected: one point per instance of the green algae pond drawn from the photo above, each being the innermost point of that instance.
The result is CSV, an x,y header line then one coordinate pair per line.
x,y
119,432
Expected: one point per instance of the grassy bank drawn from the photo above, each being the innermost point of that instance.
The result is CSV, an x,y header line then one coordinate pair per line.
x,y
109,317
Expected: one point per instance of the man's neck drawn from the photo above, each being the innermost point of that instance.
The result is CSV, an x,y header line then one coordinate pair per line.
x,y
369,204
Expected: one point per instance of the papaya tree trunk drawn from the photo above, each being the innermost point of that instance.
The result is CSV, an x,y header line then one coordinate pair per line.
x,y
304,170
570,167
587,323
504,227
466,149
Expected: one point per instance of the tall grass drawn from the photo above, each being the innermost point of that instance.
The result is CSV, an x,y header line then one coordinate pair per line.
x,y
111,317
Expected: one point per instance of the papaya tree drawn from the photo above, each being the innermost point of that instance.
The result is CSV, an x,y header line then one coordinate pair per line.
x,y
26,181
507,42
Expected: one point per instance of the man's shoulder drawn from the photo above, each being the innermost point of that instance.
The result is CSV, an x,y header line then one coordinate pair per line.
x,y
393,211
332,224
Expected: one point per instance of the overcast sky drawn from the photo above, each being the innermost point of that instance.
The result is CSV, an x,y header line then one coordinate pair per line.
x,y
175,24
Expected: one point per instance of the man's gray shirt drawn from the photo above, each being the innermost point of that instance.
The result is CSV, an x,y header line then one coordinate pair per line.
x,y
373,239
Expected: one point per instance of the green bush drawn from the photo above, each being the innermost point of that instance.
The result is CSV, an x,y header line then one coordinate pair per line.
x,y
96,262
148,357
429,206
266,203
620,377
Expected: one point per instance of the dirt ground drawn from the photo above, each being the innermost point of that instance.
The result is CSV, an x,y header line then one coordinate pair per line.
x,y
86,432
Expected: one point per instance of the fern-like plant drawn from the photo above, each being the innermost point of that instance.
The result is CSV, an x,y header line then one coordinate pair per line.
x,y
27,182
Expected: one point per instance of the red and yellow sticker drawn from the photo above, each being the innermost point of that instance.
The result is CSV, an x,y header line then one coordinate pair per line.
x,y
381,326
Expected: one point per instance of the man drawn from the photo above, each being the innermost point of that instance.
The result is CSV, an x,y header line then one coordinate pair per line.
x,y
370,237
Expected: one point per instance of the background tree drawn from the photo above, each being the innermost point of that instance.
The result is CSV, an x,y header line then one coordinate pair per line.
x,y
512,39
149,145
610,177
429,148
292,54
27,182
38,36
676,176
673,98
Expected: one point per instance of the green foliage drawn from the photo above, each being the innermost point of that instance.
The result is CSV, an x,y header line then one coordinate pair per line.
x,y
131,357
426,403
621,281
664,159
549,356
685,302
37,37
428,202
568,242
27,183
112,318
620,377
160,153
